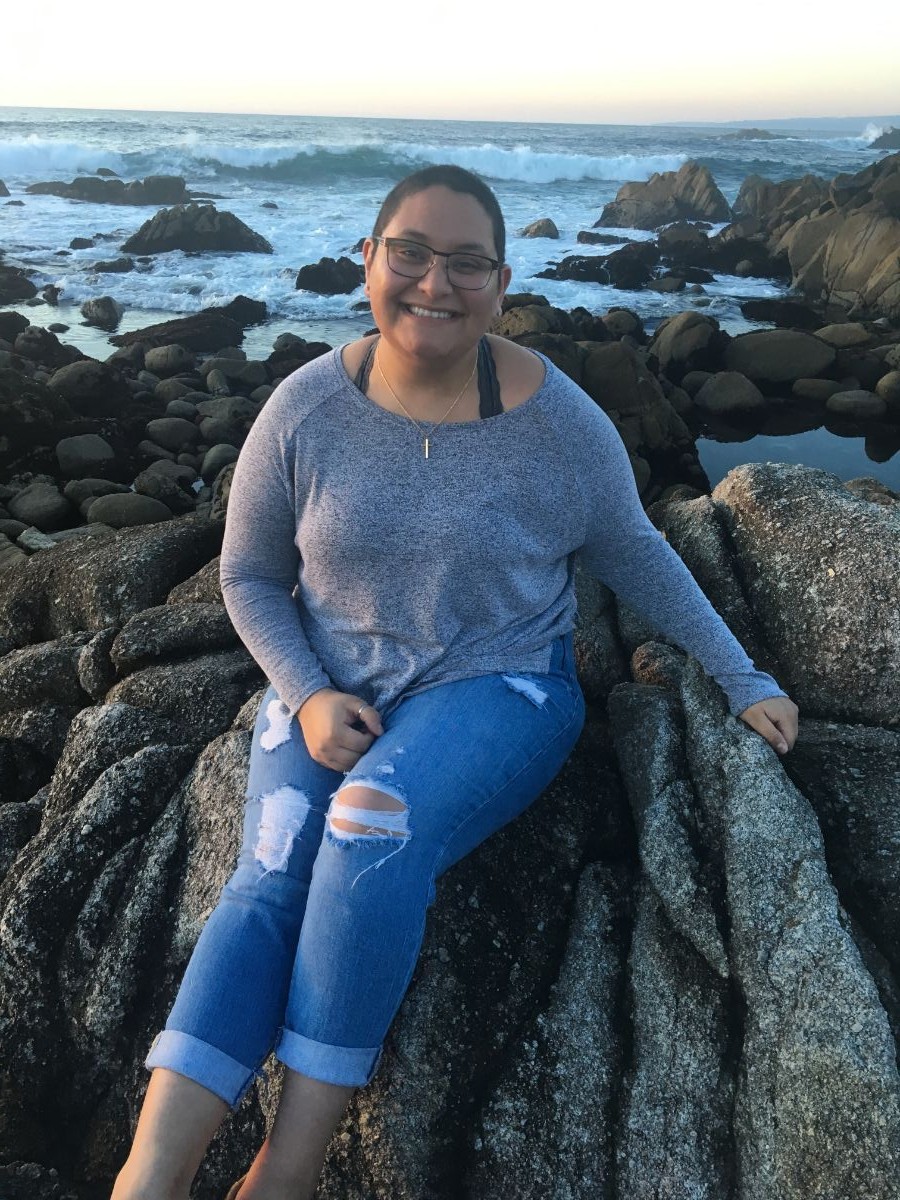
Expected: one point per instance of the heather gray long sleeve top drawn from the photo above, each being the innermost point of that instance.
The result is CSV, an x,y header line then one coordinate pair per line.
x,y
352,561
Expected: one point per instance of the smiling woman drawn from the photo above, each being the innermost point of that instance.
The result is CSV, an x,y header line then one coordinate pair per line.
x,y
399,558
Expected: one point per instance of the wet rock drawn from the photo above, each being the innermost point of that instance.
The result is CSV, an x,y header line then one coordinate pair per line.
x,y
544,228
103,312
165,489
209,329
115,266
155,189
331,276
15,285
195,227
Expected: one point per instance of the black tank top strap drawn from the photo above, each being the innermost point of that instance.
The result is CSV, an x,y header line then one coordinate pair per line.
x,y
365,367
488,385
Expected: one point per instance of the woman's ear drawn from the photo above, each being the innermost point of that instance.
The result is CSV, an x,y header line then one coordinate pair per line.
x,y
368,252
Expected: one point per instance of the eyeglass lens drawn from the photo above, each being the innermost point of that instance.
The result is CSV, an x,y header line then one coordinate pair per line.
x,y
414,260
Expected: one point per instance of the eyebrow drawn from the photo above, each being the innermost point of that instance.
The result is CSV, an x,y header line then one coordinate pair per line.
x,y
414,235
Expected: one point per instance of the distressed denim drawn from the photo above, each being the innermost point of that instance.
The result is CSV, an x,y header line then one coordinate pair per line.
x,y
316,934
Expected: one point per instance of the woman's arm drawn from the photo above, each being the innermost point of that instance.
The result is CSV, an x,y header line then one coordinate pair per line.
x,y
624,549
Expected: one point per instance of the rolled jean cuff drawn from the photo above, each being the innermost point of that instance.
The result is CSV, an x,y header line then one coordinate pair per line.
x,y
346,1066
213,1069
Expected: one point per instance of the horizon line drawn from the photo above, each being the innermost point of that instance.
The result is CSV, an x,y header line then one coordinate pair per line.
x,y
743,121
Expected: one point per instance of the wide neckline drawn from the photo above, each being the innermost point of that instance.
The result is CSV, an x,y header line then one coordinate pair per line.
x,y
369,405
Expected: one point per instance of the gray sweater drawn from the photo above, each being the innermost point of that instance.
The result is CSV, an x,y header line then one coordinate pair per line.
x,y
352,561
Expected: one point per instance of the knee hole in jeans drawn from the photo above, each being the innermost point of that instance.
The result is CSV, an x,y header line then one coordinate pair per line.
x,y
356,817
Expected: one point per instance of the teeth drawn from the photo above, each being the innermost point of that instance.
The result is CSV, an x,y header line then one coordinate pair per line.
x,y
429,312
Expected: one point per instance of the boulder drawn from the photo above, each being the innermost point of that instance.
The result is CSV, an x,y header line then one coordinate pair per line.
x,y
103,311
92,587
778,357
44,673
195,228
173,433
888,139
15,285
83,454
856,402
41,504
155,189
544,228
206,330
687,342
43,347
169,360
30,415
331,276
115,266
172,631
93,388
729,392
121,512
804,543
687,194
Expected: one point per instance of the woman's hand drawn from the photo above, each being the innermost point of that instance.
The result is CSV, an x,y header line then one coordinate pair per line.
x,y
327,719
775,719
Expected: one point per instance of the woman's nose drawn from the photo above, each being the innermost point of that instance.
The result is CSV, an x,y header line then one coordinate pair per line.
x,y
436,281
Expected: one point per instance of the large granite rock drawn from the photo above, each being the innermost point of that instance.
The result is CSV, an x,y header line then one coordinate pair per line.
x,y
693,994
690,193
155,189
195,227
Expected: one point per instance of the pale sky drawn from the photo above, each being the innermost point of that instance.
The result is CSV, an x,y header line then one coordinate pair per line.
x,y
650,61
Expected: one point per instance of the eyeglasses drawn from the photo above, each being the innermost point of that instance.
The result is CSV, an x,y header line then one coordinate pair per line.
x,y
414,260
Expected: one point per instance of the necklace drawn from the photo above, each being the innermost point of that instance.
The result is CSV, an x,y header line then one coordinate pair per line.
x,y
426,434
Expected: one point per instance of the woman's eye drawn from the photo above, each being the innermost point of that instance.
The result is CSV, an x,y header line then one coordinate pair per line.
x,y
412,254
468,266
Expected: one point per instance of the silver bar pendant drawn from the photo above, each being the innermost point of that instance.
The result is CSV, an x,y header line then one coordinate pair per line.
x,y
426,447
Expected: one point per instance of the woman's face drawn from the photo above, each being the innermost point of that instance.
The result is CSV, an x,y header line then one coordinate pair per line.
x,y
428,318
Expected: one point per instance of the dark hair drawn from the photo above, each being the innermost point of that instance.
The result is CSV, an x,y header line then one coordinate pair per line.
x,y
457,179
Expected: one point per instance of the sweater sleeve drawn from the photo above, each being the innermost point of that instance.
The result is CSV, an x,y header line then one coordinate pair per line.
x,y
624,549
260,560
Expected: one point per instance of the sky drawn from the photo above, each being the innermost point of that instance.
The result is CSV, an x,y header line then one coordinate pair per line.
x,y
649,62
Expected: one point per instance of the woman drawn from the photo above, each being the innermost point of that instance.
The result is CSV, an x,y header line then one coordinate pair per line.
x,y
425,492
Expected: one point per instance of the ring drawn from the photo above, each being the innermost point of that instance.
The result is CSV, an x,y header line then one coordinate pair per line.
x,y
361,707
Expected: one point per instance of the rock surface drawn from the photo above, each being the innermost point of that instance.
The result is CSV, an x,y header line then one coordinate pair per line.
x,y
195,227
694,996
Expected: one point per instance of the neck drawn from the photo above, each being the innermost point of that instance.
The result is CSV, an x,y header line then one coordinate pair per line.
x,y
426,389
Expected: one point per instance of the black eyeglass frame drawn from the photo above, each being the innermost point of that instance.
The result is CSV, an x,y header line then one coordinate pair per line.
x,y
387,242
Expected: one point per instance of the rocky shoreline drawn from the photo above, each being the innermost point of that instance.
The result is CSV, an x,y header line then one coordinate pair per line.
x,y
697,995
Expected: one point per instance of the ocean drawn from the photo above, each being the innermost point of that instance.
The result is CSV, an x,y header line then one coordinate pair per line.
x,y
327,176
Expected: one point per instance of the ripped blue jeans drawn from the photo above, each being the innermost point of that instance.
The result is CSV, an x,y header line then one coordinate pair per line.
x,y
314,939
